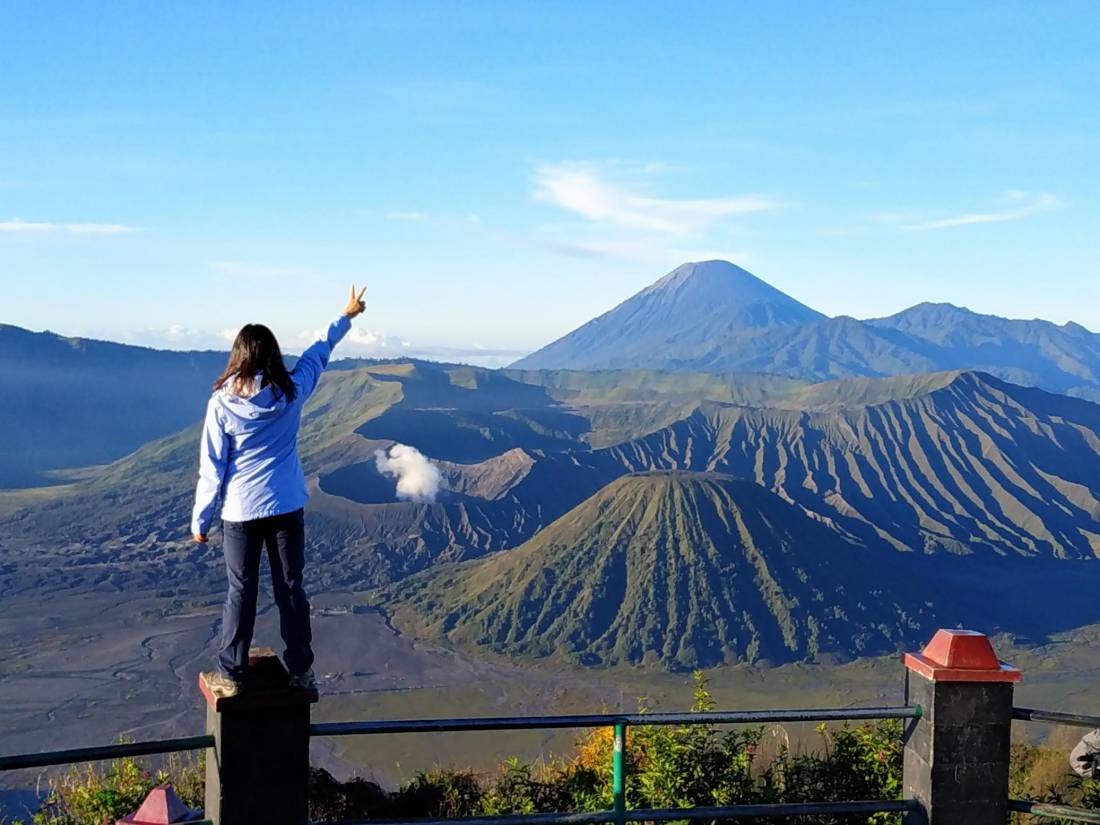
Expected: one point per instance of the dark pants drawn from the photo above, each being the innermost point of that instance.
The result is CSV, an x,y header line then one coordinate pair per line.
x,y
244,542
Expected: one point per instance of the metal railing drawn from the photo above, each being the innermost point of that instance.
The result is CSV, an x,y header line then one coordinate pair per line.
x,y
1056,717
620,813
787,809
77,755
1045,809
73,756
1053,811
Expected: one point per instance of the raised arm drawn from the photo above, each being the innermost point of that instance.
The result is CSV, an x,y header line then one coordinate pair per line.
x,y
213,459
307,372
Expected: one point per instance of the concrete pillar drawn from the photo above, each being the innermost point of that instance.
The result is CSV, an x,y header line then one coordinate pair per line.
x,y
957,752
258,770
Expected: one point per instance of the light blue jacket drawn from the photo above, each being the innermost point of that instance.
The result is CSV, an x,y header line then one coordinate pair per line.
x,y
249,452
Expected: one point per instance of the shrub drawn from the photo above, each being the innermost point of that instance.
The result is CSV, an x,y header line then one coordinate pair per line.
x,y
669,766
93,795
330,801
438,793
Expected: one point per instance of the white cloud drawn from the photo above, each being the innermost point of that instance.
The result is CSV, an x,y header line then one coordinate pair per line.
x,y
583,189
418,479
243,269
177,337
360,342
1018,204
359,337
475,355
18,225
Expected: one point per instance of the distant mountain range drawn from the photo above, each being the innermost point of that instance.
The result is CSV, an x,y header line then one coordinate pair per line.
x,y
70,402
714,316
73,402
668,516
921,469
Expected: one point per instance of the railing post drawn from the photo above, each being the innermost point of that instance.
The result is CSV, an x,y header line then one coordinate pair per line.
x,y
957,750
618,773
258,770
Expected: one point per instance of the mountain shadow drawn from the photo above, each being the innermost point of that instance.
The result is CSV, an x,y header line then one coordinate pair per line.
x,y
469,415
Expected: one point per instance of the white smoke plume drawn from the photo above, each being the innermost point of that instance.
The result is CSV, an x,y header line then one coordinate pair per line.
x,y
417,478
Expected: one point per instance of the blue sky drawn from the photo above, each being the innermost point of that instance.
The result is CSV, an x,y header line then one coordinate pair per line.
x,y
500,173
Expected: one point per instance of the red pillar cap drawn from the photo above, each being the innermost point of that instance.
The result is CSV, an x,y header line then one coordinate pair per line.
x,y
161,807
960,656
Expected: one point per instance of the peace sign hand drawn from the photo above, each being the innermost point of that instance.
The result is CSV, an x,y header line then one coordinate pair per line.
x,y
355,303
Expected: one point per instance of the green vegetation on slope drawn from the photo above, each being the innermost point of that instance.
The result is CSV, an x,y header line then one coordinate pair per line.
x,y
956,462
962,463
684,570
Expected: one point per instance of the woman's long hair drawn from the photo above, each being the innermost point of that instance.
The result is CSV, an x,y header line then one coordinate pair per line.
x,y
255,350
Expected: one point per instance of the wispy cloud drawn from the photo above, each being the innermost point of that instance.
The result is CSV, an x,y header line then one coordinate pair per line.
x,y
478,356
585,190
20,226
409,215
244,269
1017,205
642,250
172,337
360,341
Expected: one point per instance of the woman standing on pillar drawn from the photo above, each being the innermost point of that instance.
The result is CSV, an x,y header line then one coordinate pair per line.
x,y
248,459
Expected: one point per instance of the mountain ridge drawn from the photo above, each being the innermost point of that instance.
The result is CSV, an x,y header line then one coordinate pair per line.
x,y
955,463
77,401
807,345
685,570
919,476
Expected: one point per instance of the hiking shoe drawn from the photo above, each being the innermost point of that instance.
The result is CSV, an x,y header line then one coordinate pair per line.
x,y
303,681
221,685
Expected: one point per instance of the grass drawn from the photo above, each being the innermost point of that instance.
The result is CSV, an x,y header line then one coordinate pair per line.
x,y
95,794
